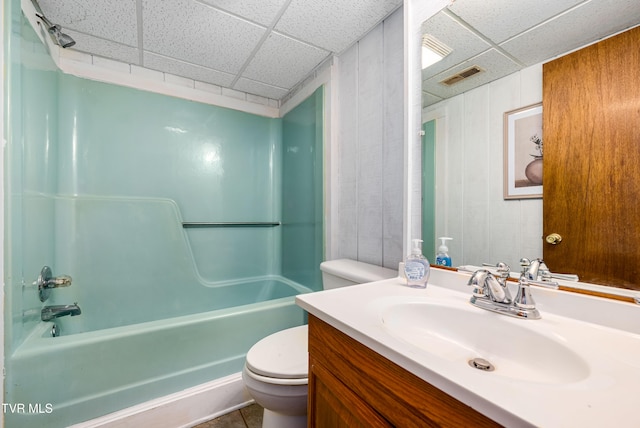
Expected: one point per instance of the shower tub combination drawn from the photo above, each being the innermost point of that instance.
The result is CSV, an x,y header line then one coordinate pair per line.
x,y
150,325
102,371
104,179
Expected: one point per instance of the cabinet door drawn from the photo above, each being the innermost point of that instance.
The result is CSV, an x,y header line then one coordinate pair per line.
x,y
350,385
591,129
332,404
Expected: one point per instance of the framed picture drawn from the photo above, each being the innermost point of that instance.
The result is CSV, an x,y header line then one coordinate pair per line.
x,y
523,152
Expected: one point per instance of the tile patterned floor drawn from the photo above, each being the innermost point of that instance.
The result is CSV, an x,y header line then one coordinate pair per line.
x,y
247,417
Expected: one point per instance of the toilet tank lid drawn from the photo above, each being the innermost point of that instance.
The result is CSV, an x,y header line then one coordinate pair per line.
x,y
357,271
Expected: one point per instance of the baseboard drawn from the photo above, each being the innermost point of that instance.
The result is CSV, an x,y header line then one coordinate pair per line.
x,y
183,409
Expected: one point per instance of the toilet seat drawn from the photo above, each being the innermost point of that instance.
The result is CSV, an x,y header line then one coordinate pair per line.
x,y
275,380
280,358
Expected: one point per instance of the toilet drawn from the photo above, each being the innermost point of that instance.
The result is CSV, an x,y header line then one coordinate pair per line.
x,y
277,367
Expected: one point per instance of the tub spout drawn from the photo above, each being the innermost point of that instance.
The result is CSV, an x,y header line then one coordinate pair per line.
x,y
52,312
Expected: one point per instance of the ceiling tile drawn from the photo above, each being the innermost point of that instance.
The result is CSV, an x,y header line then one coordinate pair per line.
x,y
591,21
221,42
464,43
199,34
266,66
195,72
494,64
333,24
260,11
253,87
501,19
108,19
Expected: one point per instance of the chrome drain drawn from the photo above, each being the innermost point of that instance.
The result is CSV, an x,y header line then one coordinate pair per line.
x,y
481,364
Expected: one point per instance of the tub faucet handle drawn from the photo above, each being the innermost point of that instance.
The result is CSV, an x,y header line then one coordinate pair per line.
x,y
46,281
58,281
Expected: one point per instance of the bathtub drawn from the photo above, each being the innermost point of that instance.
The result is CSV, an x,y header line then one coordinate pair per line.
x,y
100,365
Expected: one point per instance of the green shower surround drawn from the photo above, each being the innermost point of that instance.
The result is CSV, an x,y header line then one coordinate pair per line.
x,y
99,178
114,153
216,164
429,191
302,213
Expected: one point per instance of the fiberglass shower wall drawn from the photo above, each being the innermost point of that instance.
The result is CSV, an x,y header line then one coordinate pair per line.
x,y
302,195
102,178
31,128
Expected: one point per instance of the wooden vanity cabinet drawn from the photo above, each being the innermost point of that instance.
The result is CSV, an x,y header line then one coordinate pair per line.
x,y
352,386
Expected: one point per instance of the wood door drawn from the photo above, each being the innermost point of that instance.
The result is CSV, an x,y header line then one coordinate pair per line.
x,y
591,130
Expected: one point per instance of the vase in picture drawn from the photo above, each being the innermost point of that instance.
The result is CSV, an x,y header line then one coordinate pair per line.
x,y
533,171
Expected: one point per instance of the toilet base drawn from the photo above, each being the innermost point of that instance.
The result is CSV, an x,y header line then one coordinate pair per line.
x,y
272,419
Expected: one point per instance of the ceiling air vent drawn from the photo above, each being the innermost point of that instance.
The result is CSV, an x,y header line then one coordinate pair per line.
x,y
462,75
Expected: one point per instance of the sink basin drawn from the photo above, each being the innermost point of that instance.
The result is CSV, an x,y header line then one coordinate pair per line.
x,y
515,348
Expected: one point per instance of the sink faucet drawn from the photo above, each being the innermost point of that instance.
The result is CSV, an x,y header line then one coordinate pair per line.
x,y
491,293
56,311
536,272
488,285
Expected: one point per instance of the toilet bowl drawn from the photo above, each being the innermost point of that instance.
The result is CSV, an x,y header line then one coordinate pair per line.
x,y
275,374
277,367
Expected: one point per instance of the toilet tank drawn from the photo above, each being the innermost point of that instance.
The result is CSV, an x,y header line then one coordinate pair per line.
x,y
344,272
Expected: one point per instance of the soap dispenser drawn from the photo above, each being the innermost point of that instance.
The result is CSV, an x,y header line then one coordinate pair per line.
x,y
442,257
416,267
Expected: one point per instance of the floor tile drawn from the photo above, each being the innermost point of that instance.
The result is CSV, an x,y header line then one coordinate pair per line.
x,y
247,417
252,415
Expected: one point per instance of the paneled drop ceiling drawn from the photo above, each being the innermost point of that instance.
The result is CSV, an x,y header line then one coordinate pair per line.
x,y
263,47
504,36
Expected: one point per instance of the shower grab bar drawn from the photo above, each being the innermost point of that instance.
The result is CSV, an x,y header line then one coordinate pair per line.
x,y
192,224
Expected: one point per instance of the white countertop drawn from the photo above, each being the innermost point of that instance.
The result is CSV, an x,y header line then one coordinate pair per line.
x,y
605,337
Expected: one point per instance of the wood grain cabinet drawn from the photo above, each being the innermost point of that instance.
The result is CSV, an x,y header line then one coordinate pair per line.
x,y
352,386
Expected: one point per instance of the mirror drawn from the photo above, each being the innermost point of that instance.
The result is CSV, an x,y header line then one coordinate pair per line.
x,y
507,44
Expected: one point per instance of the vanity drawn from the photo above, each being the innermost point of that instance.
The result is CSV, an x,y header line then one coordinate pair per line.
x,y
351,385
384,354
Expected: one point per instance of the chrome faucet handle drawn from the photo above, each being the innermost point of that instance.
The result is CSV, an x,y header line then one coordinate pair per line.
x,y
543,274
498,290
529,268
46,281
487,286
478,282
58,281
503,270
536,272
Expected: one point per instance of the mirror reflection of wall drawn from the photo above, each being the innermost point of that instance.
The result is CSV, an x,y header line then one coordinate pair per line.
x,y
517,37
470,206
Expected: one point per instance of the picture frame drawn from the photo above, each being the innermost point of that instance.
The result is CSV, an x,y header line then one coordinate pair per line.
x,y
523,152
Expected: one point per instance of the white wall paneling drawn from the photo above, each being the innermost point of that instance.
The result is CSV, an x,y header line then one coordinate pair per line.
x,y
371,140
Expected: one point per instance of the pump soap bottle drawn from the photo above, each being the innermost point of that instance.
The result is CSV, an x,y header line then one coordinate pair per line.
x,y
416,267
442,257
